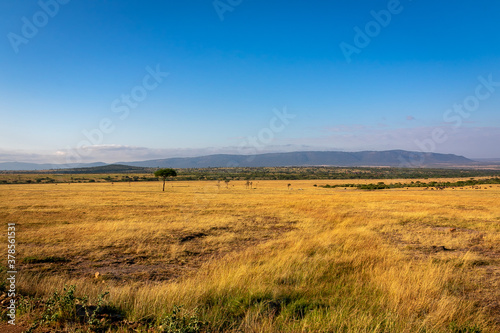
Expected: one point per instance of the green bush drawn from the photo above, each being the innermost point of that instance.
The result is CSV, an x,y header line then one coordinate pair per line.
x,y
66,307
179,322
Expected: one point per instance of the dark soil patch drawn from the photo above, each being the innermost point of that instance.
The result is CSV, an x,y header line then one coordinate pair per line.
x,y
123,264
440,248
38,260
192,236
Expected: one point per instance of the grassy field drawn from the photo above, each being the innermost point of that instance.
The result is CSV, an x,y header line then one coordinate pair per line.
x,y
266,259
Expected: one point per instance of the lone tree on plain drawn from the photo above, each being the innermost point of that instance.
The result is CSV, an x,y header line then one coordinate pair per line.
x,y
164,174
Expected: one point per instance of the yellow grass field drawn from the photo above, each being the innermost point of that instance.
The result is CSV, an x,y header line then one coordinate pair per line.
x,y
267,259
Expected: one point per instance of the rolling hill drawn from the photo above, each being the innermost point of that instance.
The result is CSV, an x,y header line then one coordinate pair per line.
x,y
390,158
394,158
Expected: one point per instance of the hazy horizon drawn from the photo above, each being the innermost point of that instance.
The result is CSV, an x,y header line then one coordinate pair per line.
x,y
147,155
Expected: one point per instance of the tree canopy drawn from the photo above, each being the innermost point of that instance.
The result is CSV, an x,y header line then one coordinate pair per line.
x,y
164,174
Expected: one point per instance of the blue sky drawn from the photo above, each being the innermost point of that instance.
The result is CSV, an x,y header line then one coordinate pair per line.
x,y
67,67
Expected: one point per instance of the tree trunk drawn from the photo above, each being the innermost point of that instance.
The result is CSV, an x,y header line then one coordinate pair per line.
x,y
163,184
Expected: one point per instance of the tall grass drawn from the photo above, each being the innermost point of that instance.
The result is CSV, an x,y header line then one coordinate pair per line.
x,y
272,260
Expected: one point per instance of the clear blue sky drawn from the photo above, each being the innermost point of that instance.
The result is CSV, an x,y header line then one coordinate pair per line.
x,y
230,63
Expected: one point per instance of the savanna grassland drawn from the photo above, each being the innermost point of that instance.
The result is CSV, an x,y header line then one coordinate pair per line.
x,y
208,258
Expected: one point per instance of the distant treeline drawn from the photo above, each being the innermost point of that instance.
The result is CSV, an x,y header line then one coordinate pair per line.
x,y
70,178
116,173
433,184
299,173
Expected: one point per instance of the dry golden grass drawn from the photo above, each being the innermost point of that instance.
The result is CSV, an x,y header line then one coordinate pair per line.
x,y
268,259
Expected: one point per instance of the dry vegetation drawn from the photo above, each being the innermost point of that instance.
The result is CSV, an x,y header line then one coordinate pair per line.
x,y
267,259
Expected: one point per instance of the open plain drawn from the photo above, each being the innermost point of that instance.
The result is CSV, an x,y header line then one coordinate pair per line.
x,y
270,258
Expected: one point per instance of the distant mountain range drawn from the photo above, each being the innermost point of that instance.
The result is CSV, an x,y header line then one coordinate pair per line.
x,y
390,158
310,158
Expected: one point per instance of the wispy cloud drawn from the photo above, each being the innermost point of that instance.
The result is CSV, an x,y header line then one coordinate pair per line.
x,y
28,157
468,141
345,128
122,153
472,142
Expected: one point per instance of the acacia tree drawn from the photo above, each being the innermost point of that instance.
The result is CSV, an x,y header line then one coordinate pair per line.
x,y
164,174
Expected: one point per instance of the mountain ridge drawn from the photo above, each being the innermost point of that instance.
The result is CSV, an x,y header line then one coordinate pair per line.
x,y
389,158
393,158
